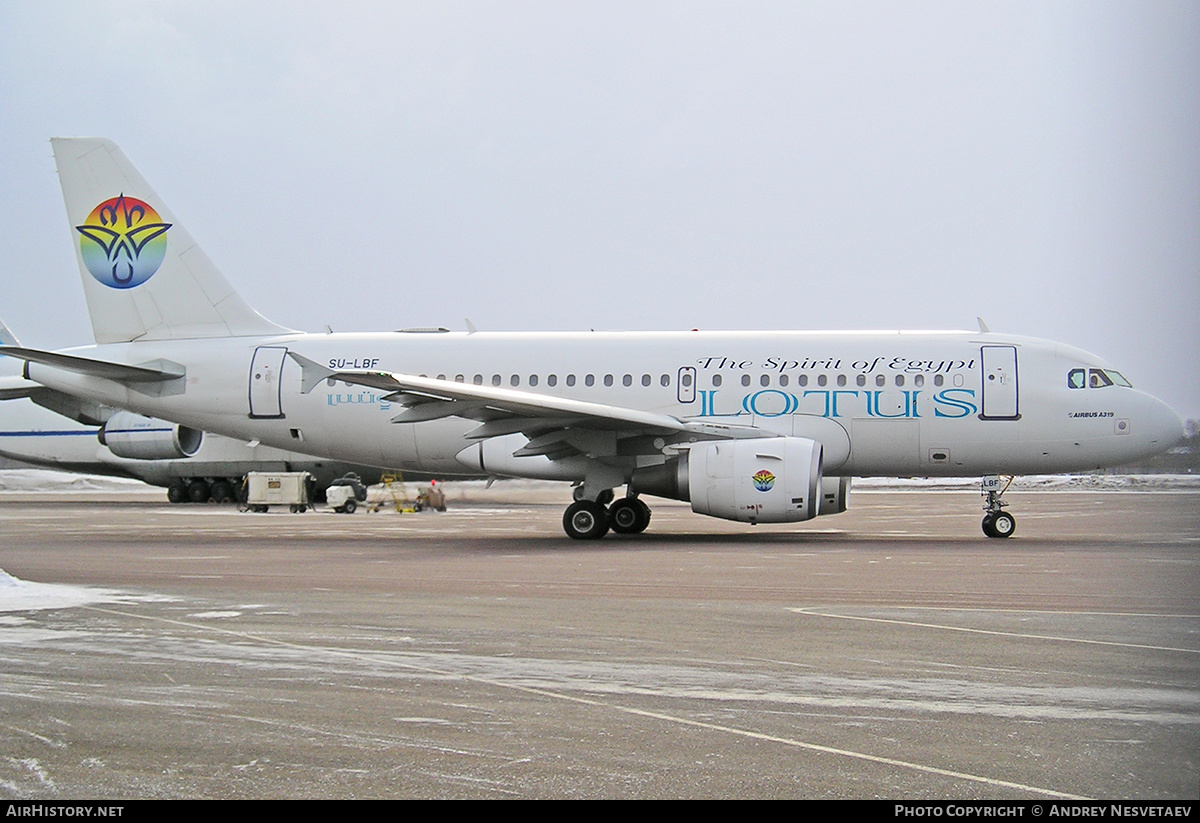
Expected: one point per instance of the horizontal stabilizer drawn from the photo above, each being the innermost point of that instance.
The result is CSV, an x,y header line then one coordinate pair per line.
x,y
157,372
15,388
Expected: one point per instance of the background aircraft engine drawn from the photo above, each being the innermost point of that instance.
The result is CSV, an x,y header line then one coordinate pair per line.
x,y
146,438
768,480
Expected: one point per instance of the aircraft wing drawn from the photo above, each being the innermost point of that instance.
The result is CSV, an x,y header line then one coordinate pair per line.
x,y
544,418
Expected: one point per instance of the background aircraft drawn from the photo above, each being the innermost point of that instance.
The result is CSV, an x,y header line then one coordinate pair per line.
x,y
193,466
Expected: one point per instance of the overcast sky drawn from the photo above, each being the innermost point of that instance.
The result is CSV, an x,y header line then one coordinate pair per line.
x,y
576,165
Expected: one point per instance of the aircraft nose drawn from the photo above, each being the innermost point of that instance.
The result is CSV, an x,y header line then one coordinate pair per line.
x,y
1163,425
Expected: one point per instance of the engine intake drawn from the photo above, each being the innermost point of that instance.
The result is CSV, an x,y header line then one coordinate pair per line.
x,y
147,438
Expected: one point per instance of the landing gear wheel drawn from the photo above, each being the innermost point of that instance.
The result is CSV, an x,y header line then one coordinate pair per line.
x,y
1003,525
585,520
198,491
177,493
222,491
987,524
629,516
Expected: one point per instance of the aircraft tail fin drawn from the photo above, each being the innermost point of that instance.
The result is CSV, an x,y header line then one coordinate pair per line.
x,y
144,277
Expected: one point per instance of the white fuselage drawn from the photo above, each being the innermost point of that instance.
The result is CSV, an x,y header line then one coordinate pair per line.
x,y
880,403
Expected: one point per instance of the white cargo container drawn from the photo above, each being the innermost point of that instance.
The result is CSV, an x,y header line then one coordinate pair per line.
x,y
266,489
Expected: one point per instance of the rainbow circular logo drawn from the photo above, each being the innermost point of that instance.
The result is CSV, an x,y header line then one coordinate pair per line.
x,y
123,242
763,480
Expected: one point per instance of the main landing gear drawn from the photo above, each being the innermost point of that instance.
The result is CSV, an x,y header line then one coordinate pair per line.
x,y
592,519
996,521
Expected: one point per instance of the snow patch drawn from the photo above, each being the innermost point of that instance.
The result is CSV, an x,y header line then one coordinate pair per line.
x,y
18,595
1041,482
48,480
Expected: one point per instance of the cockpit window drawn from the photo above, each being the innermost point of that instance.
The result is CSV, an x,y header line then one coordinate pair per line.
x,y
1095,379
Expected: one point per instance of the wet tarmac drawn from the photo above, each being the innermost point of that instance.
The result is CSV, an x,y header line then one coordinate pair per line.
x,y
889,652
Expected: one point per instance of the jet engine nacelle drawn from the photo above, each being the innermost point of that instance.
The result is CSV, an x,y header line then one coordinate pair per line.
x,y
146,438
834,493
768,480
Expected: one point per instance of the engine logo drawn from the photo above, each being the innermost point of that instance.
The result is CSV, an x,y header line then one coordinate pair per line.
x,y
763,480
123,242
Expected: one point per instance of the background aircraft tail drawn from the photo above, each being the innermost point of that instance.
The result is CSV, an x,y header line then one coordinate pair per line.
x,y
7,338
143,275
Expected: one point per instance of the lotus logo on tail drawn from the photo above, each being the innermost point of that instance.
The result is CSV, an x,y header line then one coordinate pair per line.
x,y
763,480
123,242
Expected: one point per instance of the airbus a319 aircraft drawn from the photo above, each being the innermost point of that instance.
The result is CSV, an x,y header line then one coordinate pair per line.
x,y
759,427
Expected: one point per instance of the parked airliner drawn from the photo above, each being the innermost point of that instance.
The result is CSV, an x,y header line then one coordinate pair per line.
x,y
759,427
193,466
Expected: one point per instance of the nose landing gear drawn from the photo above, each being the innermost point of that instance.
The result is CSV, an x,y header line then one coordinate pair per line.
x,y
996,521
